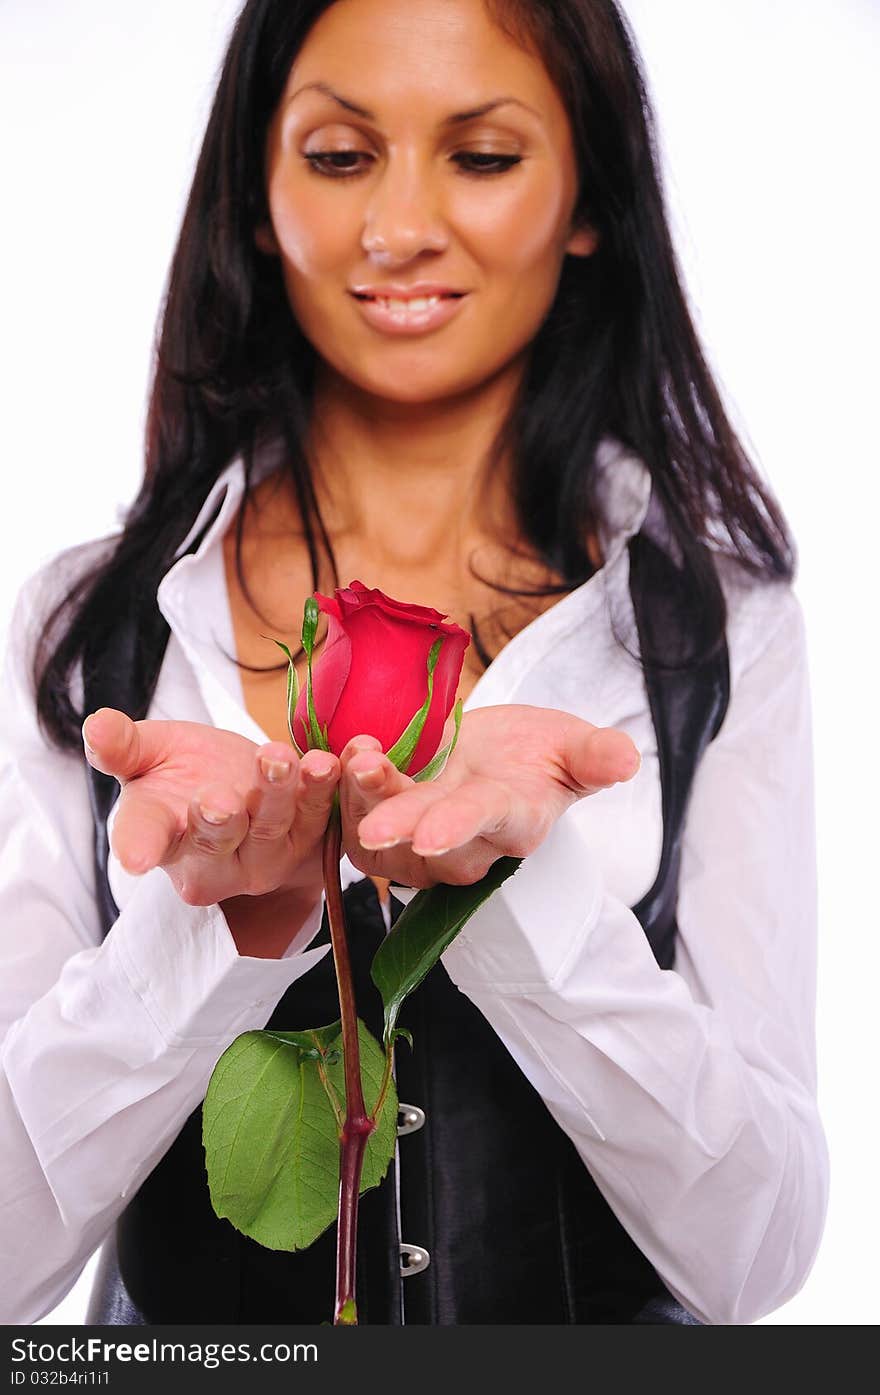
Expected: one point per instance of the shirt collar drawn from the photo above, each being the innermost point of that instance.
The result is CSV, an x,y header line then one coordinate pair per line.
x,y
223,499
622,494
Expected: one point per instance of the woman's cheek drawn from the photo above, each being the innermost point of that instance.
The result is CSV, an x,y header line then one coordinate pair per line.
x,y
519,224
310,233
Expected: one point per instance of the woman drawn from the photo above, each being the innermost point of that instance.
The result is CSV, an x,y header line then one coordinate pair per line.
x,y
543,456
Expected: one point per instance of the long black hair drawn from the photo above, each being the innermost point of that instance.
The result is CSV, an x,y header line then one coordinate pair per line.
x,y
617,355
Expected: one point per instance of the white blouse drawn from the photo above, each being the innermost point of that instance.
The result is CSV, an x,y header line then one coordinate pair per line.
x,y
690,1093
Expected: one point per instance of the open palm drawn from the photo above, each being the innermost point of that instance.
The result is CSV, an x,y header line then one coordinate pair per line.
x,y
514,770
222,816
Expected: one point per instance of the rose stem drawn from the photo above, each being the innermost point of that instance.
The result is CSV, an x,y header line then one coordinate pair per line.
x,y
357,1126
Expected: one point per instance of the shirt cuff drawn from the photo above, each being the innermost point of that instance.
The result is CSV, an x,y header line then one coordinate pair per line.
x,y
183,966
530,932
307,931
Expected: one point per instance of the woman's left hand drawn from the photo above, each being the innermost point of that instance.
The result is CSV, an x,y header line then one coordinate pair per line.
x,y
514,770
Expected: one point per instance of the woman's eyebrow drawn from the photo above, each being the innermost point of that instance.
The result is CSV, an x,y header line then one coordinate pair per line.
x,y
455,118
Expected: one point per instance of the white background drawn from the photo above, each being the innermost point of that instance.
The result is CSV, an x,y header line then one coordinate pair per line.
x,y
768,137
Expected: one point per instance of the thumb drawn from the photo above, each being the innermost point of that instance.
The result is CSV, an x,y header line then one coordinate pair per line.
x,y
601,757
113,744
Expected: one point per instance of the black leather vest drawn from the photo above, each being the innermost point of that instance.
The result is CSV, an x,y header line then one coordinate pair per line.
x,y
488,1187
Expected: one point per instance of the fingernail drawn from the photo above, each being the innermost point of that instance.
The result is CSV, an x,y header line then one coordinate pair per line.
x,y
378,847
274,770
320,772
86,743
430,852
363,776
215,816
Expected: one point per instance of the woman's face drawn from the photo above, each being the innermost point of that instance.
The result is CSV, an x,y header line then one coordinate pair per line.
x,y
415,194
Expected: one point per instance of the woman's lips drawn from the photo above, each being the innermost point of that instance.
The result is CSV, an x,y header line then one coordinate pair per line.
x,y
401,318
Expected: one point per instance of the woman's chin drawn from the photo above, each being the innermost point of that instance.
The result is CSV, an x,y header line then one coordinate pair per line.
x,y
411,390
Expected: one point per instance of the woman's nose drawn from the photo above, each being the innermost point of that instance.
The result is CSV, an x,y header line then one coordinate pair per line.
x,y
403,217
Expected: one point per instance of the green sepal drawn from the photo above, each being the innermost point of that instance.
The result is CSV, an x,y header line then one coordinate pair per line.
x,y
317,738
348,1314
292,694
313,1041
402,751
438,764
423,930
271,1134
310,624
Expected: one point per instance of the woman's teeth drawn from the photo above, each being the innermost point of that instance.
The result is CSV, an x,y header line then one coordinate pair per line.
x,y
414,306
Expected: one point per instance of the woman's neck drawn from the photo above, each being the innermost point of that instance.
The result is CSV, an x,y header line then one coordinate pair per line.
x,y
411,483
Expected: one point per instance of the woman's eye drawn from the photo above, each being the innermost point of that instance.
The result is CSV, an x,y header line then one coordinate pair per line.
x,y
476,162
318,158
494,164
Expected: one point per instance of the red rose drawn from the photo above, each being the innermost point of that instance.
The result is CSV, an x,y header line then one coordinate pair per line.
x,y
372,675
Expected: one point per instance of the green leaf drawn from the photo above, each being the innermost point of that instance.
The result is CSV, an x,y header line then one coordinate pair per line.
x,y
423,930
437,765
270,1134
402,751
292,694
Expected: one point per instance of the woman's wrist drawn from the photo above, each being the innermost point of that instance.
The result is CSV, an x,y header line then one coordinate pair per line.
x,y
264,926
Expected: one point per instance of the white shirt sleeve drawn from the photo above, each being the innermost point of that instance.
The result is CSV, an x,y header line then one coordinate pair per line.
x,y
689,1093
106,1047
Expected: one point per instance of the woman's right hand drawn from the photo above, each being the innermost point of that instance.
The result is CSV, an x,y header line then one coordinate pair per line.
x,y
223,817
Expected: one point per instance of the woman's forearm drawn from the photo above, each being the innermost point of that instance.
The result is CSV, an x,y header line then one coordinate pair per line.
x,y
265,927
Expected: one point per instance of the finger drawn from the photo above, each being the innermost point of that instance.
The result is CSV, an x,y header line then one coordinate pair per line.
x,y
146,829
371,780
363,742
318,775
602,757
271,801
370,776
476,809
217,822
394,819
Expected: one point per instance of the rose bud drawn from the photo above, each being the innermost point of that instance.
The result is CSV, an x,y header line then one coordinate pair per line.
x,y
373,676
